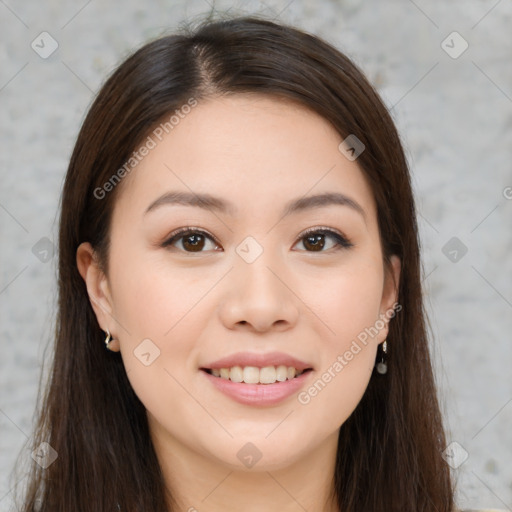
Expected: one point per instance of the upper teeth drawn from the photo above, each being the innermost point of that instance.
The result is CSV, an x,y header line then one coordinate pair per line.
x,y
255,375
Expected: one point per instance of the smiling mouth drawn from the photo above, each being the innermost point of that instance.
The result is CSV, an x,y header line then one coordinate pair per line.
x,y
255,375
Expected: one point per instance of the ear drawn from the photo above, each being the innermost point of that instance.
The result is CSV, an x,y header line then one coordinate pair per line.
x,y
390,294
97,289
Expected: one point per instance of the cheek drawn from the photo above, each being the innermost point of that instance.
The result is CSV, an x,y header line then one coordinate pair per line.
x,y
171,307
162,313
349,305
152,297
336,391
347,302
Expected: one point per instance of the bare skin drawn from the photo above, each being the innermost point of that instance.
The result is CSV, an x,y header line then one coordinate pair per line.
x,y
197,306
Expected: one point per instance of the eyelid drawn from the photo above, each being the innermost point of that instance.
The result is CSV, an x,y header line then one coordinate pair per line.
x,y
343,242
175,235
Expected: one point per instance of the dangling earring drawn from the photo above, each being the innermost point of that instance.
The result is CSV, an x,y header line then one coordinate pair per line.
x,y
108,339
382,366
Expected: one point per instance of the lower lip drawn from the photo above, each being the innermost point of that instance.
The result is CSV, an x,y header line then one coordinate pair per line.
x,y
258,394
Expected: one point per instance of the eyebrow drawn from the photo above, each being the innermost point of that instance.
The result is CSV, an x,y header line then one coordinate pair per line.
x,y
209,202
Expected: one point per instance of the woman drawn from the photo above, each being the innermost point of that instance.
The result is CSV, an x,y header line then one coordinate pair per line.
x,y
240,320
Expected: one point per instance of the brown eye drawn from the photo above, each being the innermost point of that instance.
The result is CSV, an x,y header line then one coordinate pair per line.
x,y
190,240
315,240
194,242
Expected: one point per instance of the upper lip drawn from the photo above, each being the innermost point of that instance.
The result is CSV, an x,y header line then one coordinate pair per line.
x,y
258,360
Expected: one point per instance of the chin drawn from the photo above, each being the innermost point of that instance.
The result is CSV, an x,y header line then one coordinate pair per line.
x,y
257,454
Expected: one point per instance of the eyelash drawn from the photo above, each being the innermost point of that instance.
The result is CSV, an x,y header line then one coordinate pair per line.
x,y
341,241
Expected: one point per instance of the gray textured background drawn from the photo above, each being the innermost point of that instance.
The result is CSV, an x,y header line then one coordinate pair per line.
x,y
455,118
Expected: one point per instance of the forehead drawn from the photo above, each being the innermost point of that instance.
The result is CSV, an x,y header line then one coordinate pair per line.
x,y
256,151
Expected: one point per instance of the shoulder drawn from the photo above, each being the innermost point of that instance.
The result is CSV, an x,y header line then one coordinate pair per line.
x,y
482,510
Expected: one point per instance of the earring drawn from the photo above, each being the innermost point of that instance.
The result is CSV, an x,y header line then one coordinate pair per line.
x,y
108,339
382,366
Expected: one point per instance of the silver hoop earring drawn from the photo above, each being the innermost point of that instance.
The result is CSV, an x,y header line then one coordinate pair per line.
x,y
382,365
108,339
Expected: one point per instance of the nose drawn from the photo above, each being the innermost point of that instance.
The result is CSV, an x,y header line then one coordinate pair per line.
x,y
257,297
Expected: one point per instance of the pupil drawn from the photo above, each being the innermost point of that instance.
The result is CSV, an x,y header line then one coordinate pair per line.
x,y
195,242
314,239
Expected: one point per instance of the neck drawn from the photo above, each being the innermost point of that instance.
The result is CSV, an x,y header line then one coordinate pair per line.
x,y
199,482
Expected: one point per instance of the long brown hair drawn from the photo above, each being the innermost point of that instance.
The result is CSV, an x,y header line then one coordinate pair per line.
x,y
389,454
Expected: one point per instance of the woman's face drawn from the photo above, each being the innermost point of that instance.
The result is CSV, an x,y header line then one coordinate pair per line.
x,y
245,283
